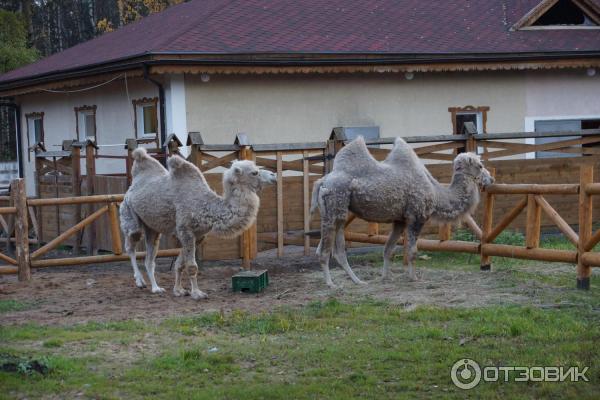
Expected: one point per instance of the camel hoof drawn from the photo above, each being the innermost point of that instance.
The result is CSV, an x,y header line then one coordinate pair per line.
x,y
199,295
139,282
180,292
158,290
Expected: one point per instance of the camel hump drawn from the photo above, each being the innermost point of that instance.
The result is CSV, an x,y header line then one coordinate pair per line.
x,y
180,168
355,155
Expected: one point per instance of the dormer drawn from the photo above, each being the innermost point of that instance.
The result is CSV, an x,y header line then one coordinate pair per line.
x,y
561,14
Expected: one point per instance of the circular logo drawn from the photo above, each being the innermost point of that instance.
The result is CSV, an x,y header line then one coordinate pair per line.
x,y
465,374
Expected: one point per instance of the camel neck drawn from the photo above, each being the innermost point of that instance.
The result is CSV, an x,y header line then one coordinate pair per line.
x,y
237,212
456,200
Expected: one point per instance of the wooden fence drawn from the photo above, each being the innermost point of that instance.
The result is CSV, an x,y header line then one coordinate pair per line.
x,y
545,188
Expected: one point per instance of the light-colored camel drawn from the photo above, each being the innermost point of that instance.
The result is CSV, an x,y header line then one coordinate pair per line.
x,y
179,202
398,190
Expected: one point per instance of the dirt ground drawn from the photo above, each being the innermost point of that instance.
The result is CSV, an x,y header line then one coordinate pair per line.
x,y
107,292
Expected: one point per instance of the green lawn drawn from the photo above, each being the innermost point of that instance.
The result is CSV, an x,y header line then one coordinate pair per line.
x,y
328,349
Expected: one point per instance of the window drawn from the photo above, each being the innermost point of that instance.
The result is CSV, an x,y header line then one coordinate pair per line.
x,y
460,115
86,123
561,14
146,117
563,125
35,128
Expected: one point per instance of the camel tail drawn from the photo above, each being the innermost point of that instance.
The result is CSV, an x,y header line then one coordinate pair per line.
x,y
139,154
314,203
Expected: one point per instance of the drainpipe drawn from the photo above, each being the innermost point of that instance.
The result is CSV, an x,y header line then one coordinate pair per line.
x,y
17,109
161,102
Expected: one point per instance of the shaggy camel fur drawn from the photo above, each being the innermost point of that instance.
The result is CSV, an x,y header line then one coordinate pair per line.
x,y
398,190
179,202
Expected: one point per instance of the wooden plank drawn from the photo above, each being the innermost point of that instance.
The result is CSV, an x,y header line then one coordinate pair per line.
x,y
64,262
224,161
534,219
523,135
526,148
21,229
557,219
68,233
306,200
279,205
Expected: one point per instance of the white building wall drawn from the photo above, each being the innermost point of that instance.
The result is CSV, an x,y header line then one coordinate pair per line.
x,y
114,120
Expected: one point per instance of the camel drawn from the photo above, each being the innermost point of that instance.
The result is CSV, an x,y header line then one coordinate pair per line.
x,y
179,202
397,190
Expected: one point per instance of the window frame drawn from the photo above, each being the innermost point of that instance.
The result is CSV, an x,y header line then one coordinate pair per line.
x,y
480,111
86,110
34,116
140,103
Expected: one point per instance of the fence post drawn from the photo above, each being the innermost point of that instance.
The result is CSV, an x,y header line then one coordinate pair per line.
x,y
75,148
486,229
586,176
90,174
130,145
248,240
19,197
534,220
195,141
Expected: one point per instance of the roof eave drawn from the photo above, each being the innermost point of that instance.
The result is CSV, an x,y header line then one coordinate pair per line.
x,y
289,60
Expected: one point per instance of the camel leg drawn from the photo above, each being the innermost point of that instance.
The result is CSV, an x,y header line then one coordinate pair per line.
x,y
130,244
390,246
178,290
324,253
152,243
339,253
412,233
196,292
188,259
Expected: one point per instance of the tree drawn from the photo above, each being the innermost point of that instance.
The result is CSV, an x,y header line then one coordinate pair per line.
x,y
14,51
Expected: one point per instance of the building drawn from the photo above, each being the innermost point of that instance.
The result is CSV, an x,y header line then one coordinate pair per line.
x,y
289,71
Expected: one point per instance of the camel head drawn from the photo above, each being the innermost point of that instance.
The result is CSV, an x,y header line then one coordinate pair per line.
x,y
245,173
470,165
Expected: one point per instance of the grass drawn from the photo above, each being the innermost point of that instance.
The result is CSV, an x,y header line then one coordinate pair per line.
x,y
13,305
328,349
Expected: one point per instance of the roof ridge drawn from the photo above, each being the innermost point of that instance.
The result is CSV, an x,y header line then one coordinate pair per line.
x,y
189,26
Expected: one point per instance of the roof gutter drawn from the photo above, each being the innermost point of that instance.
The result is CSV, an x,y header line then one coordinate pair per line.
x,y
161,102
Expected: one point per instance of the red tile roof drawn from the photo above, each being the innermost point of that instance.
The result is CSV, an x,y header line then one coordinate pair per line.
x,y
407,28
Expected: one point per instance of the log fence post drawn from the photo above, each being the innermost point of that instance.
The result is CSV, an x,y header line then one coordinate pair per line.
x,y
130,145
90,174
19,197
534,221
248,240
75,148
487,224
586,176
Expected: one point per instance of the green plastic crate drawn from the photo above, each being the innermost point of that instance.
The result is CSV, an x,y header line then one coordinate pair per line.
x,y
250,281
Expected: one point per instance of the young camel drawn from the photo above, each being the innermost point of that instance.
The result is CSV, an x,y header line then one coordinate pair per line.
x,y
179,202
398,190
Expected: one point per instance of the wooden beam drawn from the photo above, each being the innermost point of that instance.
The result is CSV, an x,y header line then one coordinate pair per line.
x,y
557,219
279,205
503,250
506,220
306,200
68,233
115,231
586,177
219,162
17,191
90,172
98,198
530,188
64,262
534,220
